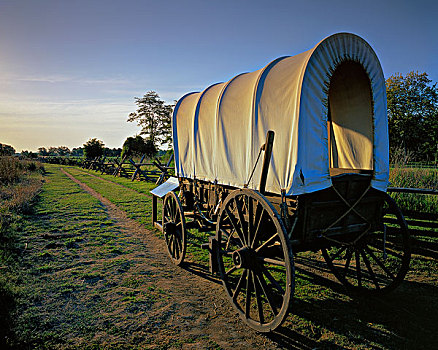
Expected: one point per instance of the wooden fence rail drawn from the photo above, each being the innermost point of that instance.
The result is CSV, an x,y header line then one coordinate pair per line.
x,y
412,190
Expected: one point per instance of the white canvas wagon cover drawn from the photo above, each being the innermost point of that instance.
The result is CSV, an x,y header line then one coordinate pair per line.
x,y
217,133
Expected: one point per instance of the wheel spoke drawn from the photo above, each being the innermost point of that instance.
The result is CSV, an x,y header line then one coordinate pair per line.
x,y
267,292
358,270
235,226
176,247
370,270
169,208
174,210
239,284
380,263
258,298
267,242
166,218
347,263
248,294
167,211
262,213
272,279
178,240
250,221
241,219
171,246
230,271
338,253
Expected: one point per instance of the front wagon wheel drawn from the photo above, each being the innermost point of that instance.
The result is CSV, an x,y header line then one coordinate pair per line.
x,y
378,262
255,259
174,228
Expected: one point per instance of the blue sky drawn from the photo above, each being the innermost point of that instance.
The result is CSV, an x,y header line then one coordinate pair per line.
x,y
69,70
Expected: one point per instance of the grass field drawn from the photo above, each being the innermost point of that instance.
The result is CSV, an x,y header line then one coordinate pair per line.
x,y
415,178
69,254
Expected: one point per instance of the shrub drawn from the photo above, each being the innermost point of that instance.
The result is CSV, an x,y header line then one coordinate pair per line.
x,y
12,169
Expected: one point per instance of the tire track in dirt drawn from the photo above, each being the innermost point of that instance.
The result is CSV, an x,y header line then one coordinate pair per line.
x,y
196,314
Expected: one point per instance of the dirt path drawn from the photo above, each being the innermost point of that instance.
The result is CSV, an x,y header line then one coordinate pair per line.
x,y
195,313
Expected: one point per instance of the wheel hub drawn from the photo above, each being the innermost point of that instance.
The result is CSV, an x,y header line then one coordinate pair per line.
x,y
169,228
244,258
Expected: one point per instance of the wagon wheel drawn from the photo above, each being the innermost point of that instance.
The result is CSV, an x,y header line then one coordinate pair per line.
x,y
174,228
378,262
255,259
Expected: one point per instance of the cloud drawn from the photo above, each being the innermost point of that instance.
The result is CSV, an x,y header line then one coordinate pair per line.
x,y
56,79
79,107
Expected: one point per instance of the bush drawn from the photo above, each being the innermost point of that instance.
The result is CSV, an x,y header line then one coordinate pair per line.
x,y
12,169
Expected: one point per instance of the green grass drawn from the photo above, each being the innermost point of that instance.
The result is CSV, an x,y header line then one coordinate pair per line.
x,y
139,186
415,178
20,182
136,204
74,260
130,196
73,257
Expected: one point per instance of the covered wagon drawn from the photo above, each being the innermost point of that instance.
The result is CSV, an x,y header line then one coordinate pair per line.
x,y
292,157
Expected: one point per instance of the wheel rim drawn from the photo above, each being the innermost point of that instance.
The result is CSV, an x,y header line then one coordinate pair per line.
x,y
255,259
174,228
378,262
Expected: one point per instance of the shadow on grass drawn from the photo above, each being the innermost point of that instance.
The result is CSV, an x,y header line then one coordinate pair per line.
x,y
7,304
403,319
328,318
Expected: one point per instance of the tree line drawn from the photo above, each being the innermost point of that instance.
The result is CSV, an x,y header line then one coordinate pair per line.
x,y
64,151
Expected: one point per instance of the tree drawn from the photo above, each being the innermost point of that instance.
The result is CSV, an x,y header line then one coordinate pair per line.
x,y
113,152
63,151
53,151
413,115
150,150
93,148
137,146
77,152
154,116
42,151
6,150
28,154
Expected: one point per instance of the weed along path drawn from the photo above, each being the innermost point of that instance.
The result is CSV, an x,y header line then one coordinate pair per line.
x,y
102,280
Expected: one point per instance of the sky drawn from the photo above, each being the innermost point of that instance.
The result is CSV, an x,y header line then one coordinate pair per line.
x,y
69,70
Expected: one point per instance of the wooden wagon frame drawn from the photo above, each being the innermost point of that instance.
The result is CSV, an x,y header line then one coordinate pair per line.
x,y
259,225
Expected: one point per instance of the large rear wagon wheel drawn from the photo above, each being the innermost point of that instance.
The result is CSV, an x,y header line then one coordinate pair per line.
x,y
174,228
378,262
255,259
